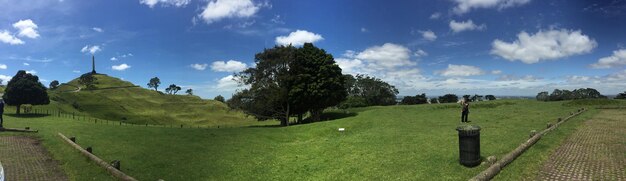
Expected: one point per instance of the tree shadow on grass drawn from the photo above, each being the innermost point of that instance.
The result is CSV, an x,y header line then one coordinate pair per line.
x,y
327,116
26,115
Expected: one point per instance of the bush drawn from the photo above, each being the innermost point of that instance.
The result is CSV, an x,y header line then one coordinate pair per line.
x,y
353,101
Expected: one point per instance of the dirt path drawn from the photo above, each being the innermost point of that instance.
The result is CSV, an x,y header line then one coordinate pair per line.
x,y
596,151
23,158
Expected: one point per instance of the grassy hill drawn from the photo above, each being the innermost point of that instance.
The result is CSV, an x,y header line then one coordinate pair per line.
x,y
119,100
380,143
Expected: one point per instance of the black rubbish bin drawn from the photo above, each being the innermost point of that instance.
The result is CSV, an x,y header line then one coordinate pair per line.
x,y
469,145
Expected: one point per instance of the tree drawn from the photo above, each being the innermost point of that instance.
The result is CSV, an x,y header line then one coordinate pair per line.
x,y
448,98
154,83
373,90
290,81
476,97
621,95
412,100
172,89
543,96
54,84
189,92
267,97
25,88
88,80
219,98
316,82
490,97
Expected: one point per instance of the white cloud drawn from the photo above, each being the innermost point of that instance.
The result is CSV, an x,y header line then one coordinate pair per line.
x,y
460,70
516,78
618,59
26,64
420,53
544,45
27,28
31,72
349,66
120,67
388,55
113,59
76,71
465,26
198,66
91,49
177,3
229,66
5,79
217,10
298,38
6,37
429,35
99,30
3,66
364,30
496,72
464,6
227,83
436,15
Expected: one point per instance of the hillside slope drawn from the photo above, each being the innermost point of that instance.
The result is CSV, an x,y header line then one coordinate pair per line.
x,y
119,100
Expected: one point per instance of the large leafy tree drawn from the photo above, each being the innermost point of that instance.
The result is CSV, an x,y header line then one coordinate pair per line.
x,y
490,97
25,88
290,81
375,91
154,83
315,81
268,95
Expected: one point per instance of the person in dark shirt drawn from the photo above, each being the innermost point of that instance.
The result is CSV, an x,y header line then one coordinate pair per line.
x,y
464,110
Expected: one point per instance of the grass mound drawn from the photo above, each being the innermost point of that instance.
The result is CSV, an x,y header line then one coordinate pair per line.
x,y
118,100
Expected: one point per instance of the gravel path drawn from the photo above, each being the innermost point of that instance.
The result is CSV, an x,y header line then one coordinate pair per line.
x,y
596,151
23,158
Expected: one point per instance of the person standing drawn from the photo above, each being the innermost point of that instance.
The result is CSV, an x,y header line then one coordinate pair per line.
x,y
1,111
464,110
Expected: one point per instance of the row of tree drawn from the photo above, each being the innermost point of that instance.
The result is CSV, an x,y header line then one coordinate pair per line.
x,y
448,98
559,95
621,95
172,89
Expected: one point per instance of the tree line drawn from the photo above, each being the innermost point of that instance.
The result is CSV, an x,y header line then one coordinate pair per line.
x,y
448,98
560,95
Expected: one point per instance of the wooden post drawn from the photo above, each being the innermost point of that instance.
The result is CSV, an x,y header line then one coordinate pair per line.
x,y
116,164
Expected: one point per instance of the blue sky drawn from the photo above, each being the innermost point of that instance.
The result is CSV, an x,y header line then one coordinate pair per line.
x,y
501,47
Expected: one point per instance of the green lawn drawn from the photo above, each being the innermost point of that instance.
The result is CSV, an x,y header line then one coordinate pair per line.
x,y
380,143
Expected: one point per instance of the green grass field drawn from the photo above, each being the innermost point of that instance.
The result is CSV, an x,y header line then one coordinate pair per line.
x,y
380,143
